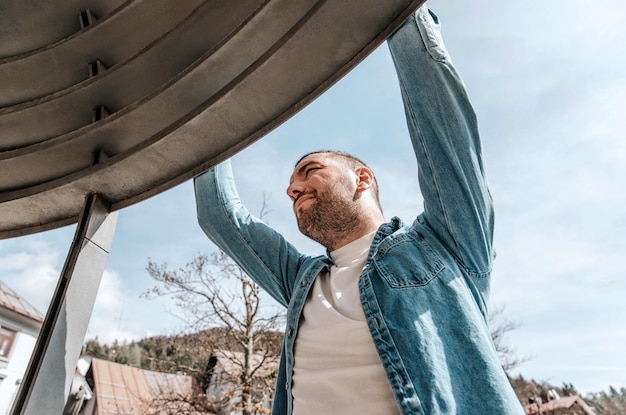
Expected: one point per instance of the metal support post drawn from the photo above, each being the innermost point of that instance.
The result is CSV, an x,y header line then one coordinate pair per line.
x,y
48,378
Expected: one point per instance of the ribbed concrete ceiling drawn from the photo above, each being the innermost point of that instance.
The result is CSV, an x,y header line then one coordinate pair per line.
x,y
157,90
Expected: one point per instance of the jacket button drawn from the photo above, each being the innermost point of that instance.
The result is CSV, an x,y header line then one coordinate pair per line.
x,y
303,283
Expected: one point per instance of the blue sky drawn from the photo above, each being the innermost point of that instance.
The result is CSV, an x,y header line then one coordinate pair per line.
x,y
548,81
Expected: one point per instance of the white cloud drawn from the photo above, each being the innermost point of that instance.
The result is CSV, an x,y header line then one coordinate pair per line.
x,y
587,356
107,319
119,314
31,267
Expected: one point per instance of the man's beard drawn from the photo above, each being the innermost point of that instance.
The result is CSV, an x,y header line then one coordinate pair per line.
x,y
329,219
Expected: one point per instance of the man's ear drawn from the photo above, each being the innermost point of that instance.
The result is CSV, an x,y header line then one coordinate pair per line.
x,y
365,178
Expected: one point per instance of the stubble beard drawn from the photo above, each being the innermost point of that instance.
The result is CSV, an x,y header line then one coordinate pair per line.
x,y
329,219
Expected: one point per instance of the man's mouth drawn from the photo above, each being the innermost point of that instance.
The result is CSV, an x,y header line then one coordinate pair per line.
x,y
301,199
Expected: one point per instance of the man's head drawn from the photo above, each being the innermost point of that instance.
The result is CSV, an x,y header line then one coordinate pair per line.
x,y
335,197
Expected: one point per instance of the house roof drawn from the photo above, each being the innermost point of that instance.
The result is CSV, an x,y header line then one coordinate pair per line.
x,y
121,389
12,301
556,404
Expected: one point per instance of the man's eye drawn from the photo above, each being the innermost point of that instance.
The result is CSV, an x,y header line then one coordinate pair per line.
x,y
309,170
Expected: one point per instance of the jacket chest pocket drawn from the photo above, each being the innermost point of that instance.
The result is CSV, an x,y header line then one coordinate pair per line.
x,y
407,261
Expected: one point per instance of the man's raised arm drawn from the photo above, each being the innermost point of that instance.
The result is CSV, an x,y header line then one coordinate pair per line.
x,y
443,129
258,249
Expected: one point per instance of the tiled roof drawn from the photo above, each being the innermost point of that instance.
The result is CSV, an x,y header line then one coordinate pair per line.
x,y
121,389
11,300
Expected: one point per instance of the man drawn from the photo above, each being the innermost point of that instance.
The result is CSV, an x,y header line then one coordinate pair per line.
x,y
394,319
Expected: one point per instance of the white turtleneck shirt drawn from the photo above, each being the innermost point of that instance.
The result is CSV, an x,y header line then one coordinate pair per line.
x,y
337,369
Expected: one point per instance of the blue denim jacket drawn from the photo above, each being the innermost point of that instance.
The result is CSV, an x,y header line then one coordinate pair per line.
x,y
425,286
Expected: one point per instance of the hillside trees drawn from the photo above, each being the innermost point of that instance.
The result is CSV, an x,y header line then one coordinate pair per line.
x,y
611,403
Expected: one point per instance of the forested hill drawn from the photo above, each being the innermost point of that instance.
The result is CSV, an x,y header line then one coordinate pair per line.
x,y
190,354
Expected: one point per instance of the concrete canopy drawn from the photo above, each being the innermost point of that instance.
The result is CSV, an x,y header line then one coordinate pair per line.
x,y
129,98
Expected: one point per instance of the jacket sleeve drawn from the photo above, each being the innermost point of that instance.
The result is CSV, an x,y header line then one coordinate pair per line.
x,y
258,249
444,134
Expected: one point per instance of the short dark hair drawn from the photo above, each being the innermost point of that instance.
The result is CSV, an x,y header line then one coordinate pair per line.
x,y
351,161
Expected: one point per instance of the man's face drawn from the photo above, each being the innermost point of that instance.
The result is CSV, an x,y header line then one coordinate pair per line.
x,y
323,191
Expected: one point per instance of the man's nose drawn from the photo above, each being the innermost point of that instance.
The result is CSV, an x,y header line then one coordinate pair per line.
x,y
294,189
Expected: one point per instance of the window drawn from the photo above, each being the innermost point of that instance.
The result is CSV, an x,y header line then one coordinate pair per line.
x,y
7,337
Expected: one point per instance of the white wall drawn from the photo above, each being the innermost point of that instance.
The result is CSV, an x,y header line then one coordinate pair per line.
x,y
13,370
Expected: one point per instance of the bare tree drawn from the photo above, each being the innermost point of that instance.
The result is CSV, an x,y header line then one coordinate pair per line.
x,y
212,291
500,326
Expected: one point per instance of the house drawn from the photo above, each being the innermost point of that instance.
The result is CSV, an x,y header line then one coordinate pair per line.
x,y
568,405
108,388
225,369
20,323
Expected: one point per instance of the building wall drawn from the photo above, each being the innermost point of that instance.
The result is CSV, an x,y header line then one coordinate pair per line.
x,y
12,370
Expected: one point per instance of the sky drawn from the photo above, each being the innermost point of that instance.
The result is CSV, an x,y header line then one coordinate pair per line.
x,y
548,81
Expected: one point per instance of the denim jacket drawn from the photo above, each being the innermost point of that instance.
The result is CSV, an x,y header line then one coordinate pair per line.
x,y
425,285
